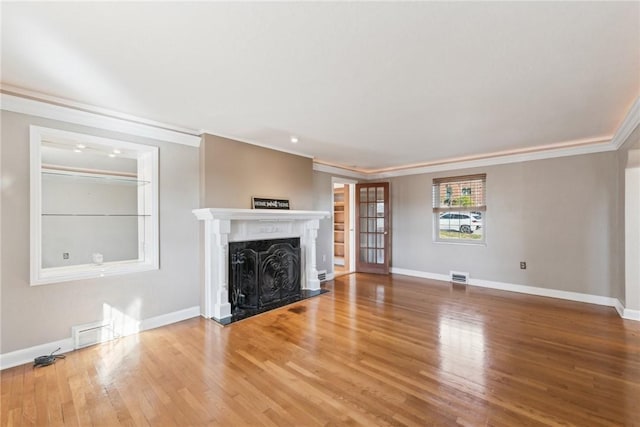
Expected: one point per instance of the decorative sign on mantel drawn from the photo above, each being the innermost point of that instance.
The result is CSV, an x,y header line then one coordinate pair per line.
x,y
269,203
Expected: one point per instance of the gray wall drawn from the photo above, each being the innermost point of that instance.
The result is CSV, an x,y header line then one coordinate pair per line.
x,y
563,216
323,201
632,143
33,315
560,215
232,172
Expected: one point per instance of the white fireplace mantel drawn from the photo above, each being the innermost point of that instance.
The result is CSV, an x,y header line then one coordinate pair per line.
x,y
222,226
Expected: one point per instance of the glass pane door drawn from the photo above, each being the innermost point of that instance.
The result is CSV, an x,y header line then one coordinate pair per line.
x,y
372,227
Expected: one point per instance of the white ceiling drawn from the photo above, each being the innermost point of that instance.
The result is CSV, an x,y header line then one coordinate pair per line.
x,y
364,85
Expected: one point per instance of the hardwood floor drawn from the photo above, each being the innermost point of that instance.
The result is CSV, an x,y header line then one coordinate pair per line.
x,y
376,350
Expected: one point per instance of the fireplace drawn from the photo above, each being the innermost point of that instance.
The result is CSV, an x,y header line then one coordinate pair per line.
x,y
263,274
224,228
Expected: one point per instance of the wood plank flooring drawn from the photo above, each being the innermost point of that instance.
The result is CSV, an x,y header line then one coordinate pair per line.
x,y
376,350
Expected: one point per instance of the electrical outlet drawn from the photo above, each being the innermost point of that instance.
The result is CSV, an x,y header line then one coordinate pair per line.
x,y
65,255
523,265
324,258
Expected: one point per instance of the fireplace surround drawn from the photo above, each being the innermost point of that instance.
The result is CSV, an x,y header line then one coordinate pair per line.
x,y
223,228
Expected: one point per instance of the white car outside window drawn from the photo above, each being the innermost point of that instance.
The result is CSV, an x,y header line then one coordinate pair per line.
x,y
463,222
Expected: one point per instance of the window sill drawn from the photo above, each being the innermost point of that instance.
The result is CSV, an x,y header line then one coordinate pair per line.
x,y
440,242
89,271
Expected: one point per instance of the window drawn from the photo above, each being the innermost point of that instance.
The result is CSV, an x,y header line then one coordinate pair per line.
x,y
459,209
94,206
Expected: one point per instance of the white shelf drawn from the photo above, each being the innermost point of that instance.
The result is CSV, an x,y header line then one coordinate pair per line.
x,y
53,174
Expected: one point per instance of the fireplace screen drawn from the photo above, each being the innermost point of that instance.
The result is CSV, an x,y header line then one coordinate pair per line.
x,y
263,274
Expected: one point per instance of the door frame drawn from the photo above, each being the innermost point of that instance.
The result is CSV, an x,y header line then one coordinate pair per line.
x,y
351,268
385,267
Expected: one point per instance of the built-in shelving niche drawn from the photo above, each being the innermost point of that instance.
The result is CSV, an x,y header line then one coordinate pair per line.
x,y
341,225
93,207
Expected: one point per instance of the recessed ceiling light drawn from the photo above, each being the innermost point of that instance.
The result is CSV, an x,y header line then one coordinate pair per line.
x,y
294,139
111,155
116,151
81,146
77,150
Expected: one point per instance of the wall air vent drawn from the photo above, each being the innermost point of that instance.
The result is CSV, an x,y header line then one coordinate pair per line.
x,y
322,275
92,333
458,277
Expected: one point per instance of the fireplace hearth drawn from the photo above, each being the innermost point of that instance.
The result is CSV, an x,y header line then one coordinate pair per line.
x,y
264,274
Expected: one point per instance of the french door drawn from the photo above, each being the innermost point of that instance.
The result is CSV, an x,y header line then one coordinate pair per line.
x,y
373,228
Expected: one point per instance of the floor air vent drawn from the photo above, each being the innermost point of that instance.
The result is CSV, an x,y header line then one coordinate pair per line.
x,y
92,333
457,277
322,275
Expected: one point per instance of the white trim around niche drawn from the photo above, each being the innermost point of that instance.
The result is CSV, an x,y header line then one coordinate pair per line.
x,y
147,171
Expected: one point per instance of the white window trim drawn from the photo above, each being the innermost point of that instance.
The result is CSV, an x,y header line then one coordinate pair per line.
x,y
148,258
436,215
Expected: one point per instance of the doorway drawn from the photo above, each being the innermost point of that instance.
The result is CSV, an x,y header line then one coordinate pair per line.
x,y
343,230
372,206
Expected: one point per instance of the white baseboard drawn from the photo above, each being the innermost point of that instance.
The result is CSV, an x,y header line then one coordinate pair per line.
x,y
619,308
26,355
422,274
169,318
545,292
629,314
532,290
330,276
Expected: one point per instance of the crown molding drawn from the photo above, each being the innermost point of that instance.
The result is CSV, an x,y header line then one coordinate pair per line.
x,y
25,102
25,93
550,151
337,170
629,124
573,148
501,159
28,102
258,144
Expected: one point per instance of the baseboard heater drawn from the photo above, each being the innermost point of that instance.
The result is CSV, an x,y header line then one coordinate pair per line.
x,y
458,277
92,333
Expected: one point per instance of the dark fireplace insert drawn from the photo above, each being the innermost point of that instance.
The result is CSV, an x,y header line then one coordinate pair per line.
x,y
263,274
